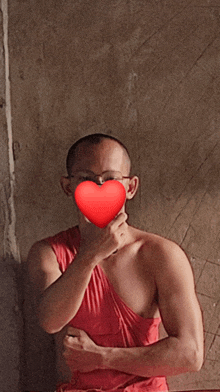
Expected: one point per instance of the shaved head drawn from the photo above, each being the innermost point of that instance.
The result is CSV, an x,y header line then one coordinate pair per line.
x,y
89,143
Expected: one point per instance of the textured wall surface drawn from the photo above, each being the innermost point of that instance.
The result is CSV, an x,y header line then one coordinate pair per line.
x,y
10,315
146,72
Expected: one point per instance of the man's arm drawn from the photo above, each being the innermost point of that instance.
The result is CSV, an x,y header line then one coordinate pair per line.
x,y
182,350
57,296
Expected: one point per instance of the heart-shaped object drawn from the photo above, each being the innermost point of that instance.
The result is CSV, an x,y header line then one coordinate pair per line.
x,y
100,204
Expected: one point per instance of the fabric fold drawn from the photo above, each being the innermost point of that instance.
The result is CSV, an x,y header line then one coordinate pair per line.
x,y
109,322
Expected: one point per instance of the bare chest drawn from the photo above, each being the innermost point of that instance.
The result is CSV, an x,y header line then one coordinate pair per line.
x,y
128,273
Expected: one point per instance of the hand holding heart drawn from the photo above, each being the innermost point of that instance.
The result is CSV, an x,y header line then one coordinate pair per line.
x,y
100,206
98,244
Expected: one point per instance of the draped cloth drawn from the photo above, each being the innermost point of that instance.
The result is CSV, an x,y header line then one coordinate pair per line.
x,y
109,322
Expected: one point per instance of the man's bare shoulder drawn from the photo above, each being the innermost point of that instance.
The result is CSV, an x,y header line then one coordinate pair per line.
x,y
42,265
165,258
41,244
157,249
151,239
40,250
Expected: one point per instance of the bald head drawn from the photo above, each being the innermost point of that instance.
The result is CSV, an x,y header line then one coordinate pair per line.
x,y
100,152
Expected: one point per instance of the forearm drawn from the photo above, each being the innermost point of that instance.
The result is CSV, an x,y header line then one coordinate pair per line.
x,y
167,357
61,301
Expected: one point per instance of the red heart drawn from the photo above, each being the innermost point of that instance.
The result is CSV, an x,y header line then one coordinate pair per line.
x,y
100,205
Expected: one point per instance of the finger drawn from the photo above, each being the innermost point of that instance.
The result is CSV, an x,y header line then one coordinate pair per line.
x,y
71,344
86,219
122,227
71,339
67,342
71,331
120,218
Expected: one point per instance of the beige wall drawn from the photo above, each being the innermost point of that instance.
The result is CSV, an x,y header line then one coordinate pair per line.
x,y
146,72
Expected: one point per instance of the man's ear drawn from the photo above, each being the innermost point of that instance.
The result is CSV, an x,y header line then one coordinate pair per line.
x,y
132,187
65,184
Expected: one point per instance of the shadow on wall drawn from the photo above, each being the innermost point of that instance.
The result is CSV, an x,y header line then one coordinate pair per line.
x,y
38,361
10,327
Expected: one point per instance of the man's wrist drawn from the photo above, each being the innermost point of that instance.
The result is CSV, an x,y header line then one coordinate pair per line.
x,y
85,261
105,353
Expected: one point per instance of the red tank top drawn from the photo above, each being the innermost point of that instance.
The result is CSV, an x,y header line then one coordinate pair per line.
x,y
109,322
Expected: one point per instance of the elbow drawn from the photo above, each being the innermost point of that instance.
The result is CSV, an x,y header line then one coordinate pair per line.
x,y
48,328
48,324
196,360
192,356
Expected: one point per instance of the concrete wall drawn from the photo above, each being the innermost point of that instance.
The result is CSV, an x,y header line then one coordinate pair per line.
x,y
146,72
11,337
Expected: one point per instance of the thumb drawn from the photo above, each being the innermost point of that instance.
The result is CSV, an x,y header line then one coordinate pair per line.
x,y
84,219
87,220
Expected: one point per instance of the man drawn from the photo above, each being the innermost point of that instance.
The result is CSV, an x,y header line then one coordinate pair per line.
x,y
102,292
